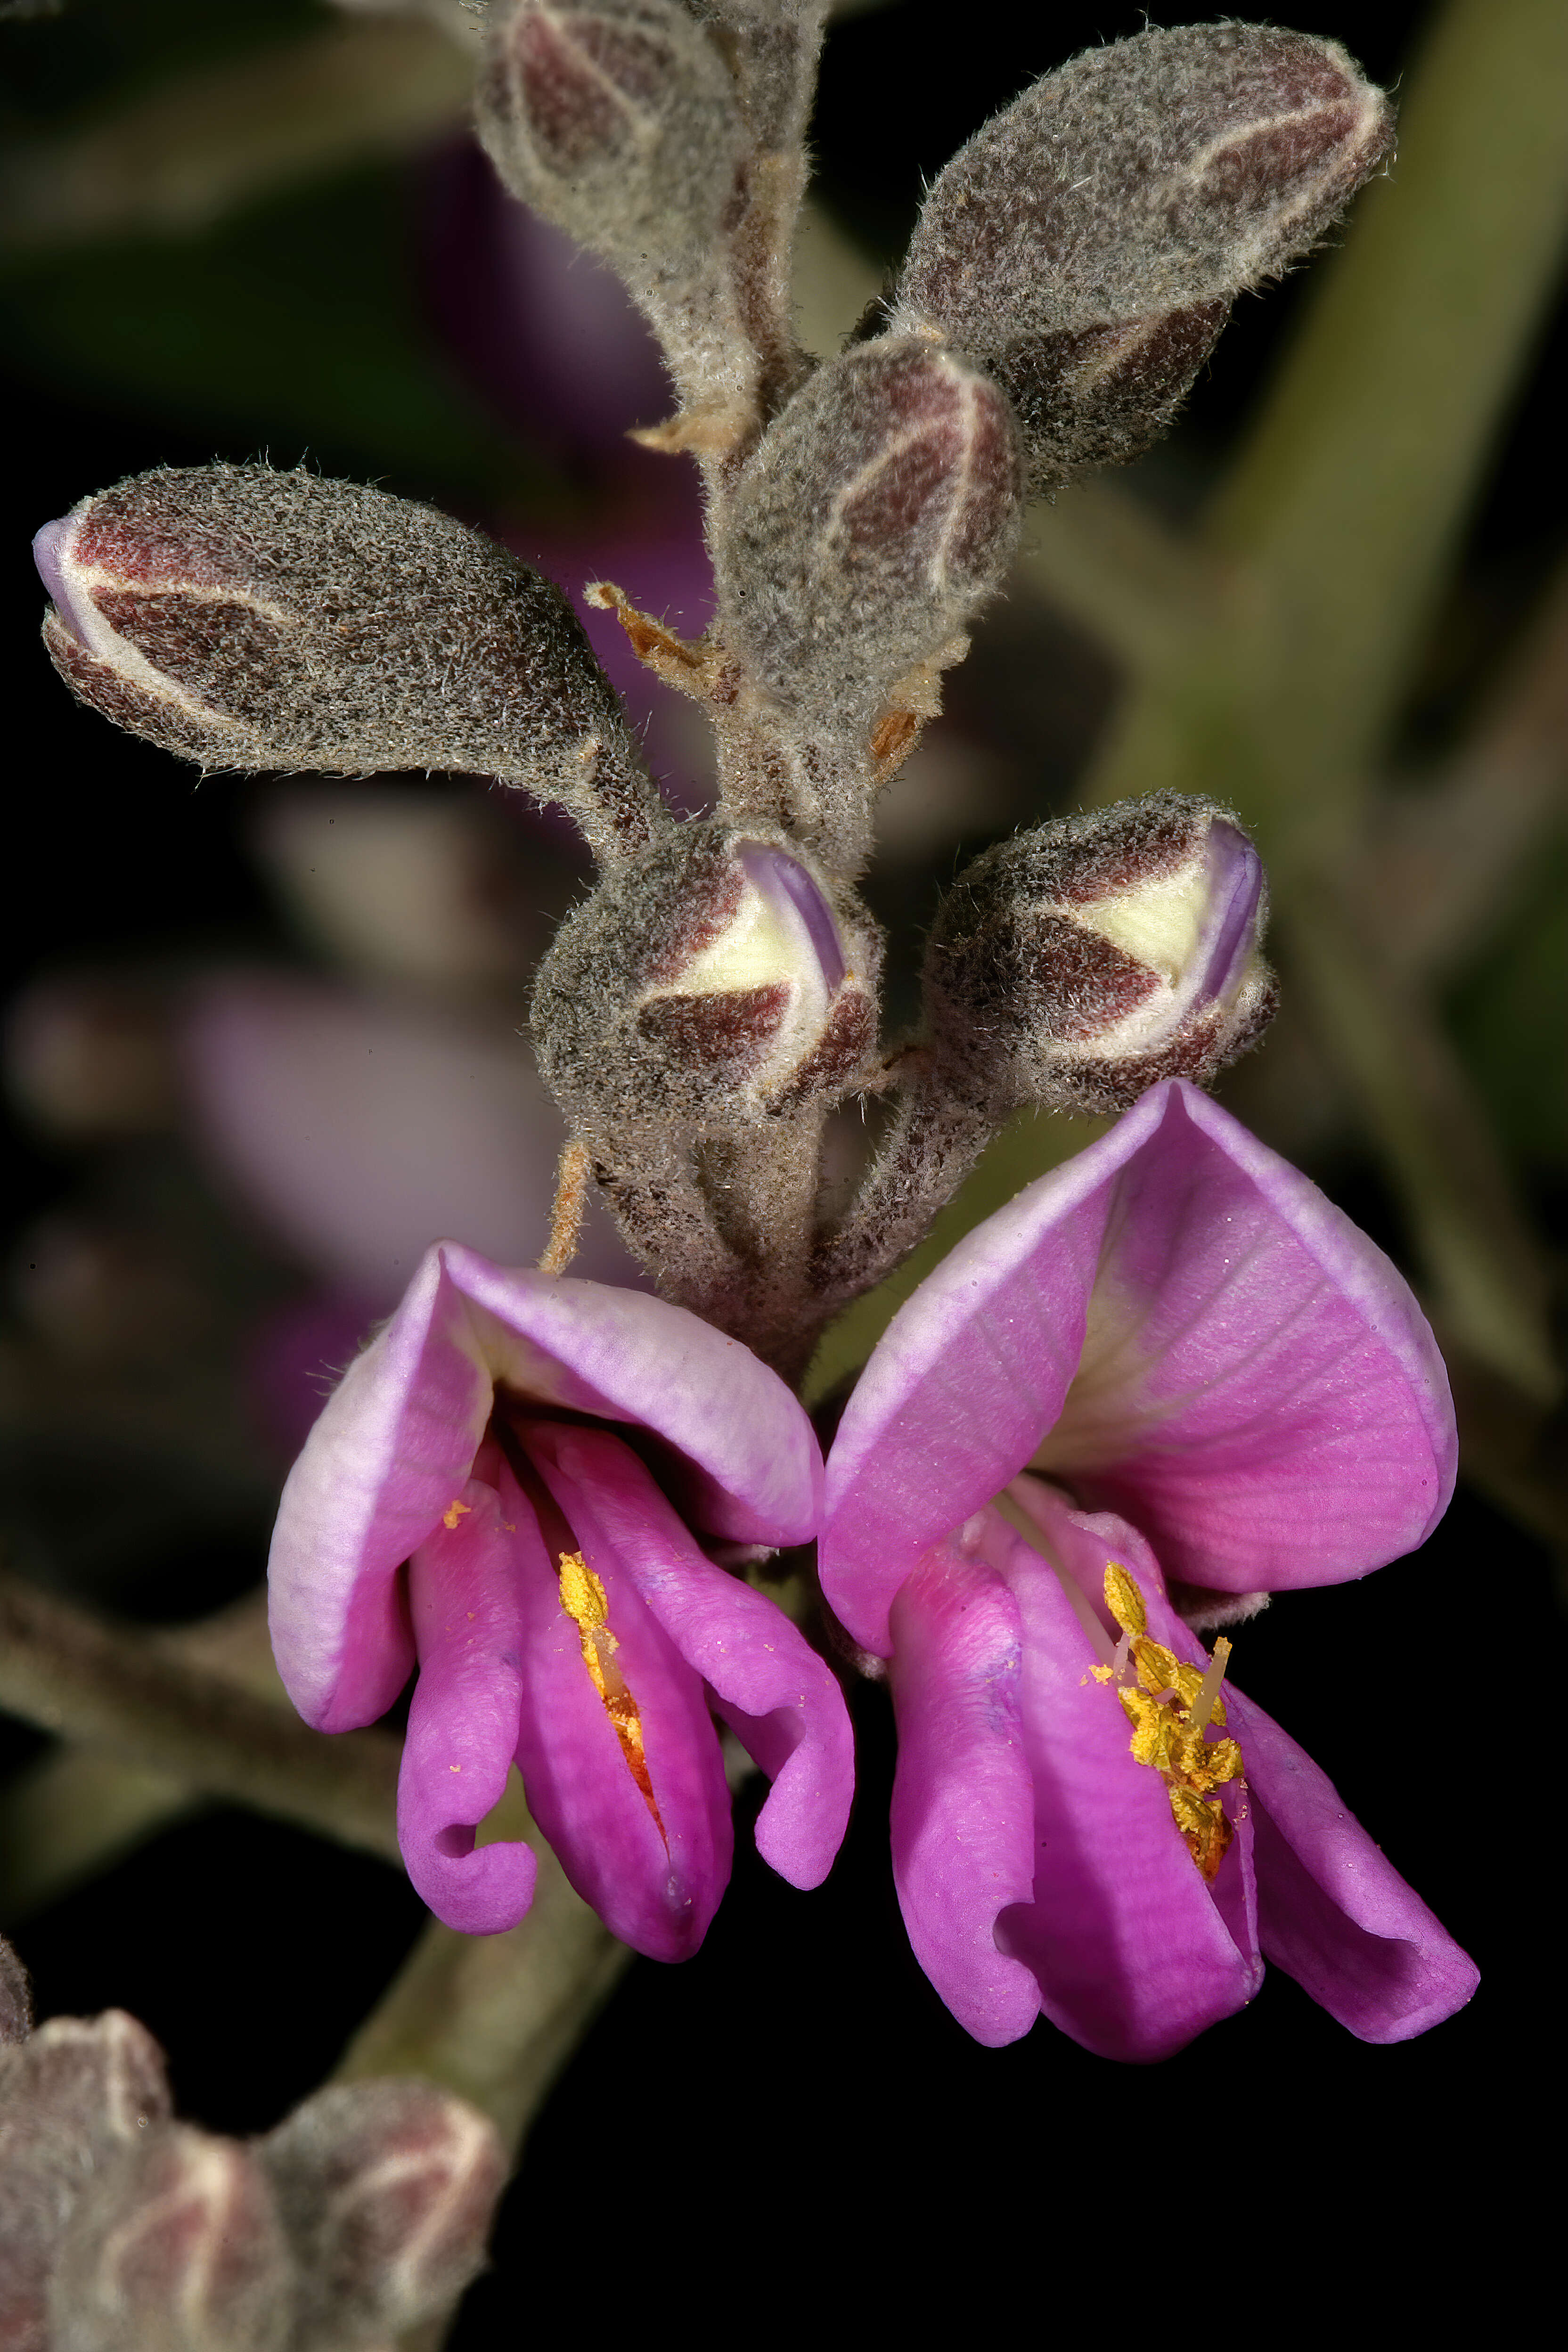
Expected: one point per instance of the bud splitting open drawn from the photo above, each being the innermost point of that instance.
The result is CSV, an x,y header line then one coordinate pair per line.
x,y
1080,963
726,991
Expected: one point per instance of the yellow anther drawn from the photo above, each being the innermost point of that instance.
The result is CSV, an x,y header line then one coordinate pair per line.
x,y
1157,1668
583,1596
453,1513
1170,1706
585,1601
1124,1599
1203,1826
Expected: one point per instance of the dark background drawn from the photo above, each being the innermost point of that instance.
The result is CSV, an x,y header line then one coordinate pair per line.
x,y
796,2097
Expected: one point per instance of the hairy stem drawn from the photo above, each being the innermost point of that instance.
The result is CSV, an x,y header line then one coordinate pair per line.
x,y
110,1687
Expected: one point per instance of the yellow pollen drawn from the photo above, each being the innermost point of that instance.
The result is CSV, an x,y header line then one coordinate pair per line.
x,y
583,1599
1170,1706
453,1513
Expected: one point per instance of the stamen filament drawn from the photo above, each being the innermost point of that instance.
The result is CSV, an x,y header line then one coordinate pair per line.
x,y
1203,1706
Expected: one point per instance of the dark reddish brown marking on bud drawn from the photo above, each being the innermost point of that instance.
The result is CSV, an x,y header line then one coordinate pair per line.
x,y
1252,171
703,913
729,1032
904,499
840,1053
133,539
106,691
574,117
994,485
201,644
1086,984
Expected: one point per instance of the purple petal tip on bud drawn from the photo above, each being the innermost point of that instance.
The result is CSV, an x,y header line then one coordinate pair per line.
x,y
1080,963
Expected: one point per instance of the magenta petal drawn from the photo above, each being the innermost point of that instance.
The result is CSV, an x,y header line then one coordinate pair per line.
x,y
656,1881
963,1803
1332,1912
1260,1392
397,1438
755,1473
1134,1953
392,1449
964,1382
783,1703
463,1720
1257,1388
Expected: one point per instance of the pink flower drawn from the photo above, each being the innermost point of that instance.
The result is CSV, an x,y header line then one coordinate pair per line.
x,y
556,1461
1229,1392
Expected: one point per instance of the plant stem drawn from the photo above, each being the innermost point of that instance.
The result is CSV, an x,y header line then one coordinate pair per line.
x,y
111,1687
495,2018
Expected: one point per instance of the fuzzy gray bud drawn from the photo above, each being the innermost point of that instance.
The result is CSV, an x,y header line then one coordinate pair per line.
x,y
387,2190
1077,964
878,513
73,2099
251,619
177,2247
713,984
1086,244
615,118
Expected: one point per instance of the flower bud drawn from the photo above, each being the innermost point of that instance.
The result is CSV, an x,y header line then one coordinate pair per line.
x,y
711,985
73,2098
177,2247
252,619
1086,244
878,513
617,120
1077,964
387,2190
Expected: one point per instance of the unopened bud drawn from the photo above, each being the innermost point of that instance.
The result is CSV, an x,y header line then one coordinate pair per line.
x,y
73,2098
252,619
716,983
1077,964
387,2190
1086,244
878,513
617,120
175,2248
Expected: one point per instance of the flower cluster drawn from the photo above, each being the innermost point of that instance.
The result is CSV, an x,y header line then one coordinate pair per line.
x,y
1166,1381
1164,1384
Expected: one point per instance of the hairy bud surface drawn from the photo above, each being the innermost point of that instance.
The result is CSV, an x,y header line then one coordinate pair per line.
x,y
617,120
251,619
176,2248
716,983
386,2191
879,512
75,2098
1086,244
1077,964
